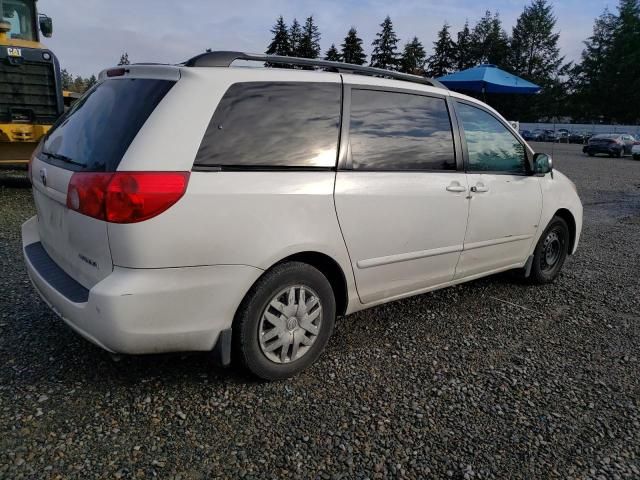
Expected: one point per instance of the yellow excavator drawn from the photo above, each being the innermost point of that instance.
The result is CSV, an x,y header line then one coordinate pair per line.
x,y
31,98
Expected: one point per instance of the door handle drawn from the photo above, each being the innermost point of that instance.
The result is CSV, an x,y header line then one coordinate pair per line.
x,y
456,187
479,188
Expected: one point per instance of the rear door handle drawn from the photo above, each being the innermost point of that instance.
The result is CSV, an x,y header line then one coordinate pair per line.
x,y
456,187
479,188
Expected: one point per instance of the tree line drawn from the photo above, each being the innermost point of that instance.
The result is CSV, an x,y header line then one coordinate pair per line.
x,y
78,84
603,85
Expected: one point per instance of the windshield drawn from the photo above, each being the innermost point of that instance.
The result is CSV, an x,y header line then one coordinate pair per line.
x,y
97,131
20,15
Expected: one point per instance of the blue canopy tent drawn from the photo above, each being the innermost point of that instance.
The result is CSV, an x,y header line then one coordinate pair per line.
x,y
488,78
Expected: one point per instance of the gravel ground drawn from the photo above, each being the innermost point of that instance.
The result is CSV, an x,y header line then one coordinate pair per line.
x,y
492,379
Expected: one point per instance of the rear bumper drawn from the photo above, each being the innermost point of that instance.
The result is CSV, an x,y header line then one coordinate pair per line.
x,y
138,311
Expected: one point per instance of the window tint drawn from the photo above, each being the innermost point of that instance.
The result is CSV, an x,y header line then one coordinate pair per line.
x,y
398,131
491,146
97,131
274,125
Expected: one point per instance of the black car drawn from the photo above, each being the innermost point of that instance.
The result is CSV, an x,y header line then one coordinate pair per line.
x,y
549,136
527,135
613,144
579,137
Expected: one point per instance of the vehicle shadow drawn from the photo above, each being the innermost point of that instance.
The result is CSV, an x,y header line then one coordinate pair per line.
x,y
12,178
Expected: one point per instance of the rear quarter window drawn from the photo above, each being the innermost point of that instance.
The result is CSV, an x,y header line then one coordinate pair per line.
x,y
274,124
96,132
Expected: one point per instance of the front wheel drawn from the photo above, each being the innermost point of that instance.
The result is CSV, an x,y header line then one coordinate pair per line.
x,y
285,321
551,252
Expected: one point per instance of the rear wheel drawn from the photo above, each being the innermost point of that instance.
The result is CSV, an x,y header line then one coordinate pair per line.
x,y
285,321
620,152
551,252
591,154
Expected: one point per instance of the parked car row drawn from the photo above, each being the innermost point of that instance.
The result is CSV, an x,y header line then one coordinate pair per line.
x,y
562,135
613,144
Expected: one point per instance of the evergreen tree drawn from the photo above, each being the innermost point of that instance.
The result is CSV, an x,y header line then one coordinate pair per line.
x,y
385,47
534,53
91,81
592,95
443,60
489,42
79,85
352,51
124,59
622,66
413,57
464,56
280,44
310,40
67,79
333,54
295,36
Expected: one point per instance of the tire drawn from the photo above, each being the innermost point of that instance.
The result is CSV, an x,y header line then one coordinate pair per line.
x,y
287,323
636,156
591,154
547,259
620,153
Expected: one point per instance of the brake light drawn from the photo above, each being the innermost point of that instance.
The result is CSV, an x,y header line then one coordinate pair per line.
x,y
125,197
116,72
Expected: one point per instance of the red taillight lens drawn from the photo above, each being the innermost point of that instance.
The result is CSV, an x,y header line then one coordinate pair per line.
x,y
133,197
125,197
86,193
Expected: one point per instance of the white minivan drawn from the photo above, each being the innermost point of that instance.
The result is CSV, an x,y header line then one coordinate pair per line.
x,y
240,209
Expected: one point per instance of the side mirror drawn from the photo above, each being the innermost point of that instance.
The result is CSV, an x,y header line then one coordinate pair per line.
x,y
46,25
542,163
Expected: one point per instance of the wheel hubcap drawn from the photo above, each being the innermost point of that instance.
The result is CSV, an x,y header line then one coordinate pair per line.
x,y
290,324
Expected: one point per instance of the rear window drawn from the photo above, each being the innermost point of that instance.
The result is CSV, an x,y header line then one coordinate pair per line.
x,y
97,131
274,124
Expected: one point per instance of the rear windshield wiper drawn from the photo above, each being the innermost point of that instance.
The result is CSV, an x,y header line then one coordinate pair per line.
x,y
62,158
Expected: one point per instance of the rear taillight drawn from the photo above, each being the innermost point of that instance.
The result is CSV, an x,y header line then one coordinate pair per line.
x,y
125,197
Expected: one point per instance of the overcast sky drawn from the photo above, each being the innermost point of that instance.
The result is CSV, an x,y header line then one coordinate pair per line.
x,y
90,35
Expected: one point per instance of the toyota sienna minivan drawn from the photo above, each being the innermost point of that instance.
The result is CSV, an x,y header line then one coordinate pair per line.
x,y
237,209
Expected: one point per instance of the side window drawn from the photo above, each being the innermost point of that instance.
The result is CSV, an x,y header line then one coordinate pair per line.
x,y
267,124
399,131
491,146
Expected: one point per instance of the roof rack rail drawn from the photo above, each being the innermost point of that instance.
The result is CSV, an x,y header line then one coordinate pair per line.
x,y
226,58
